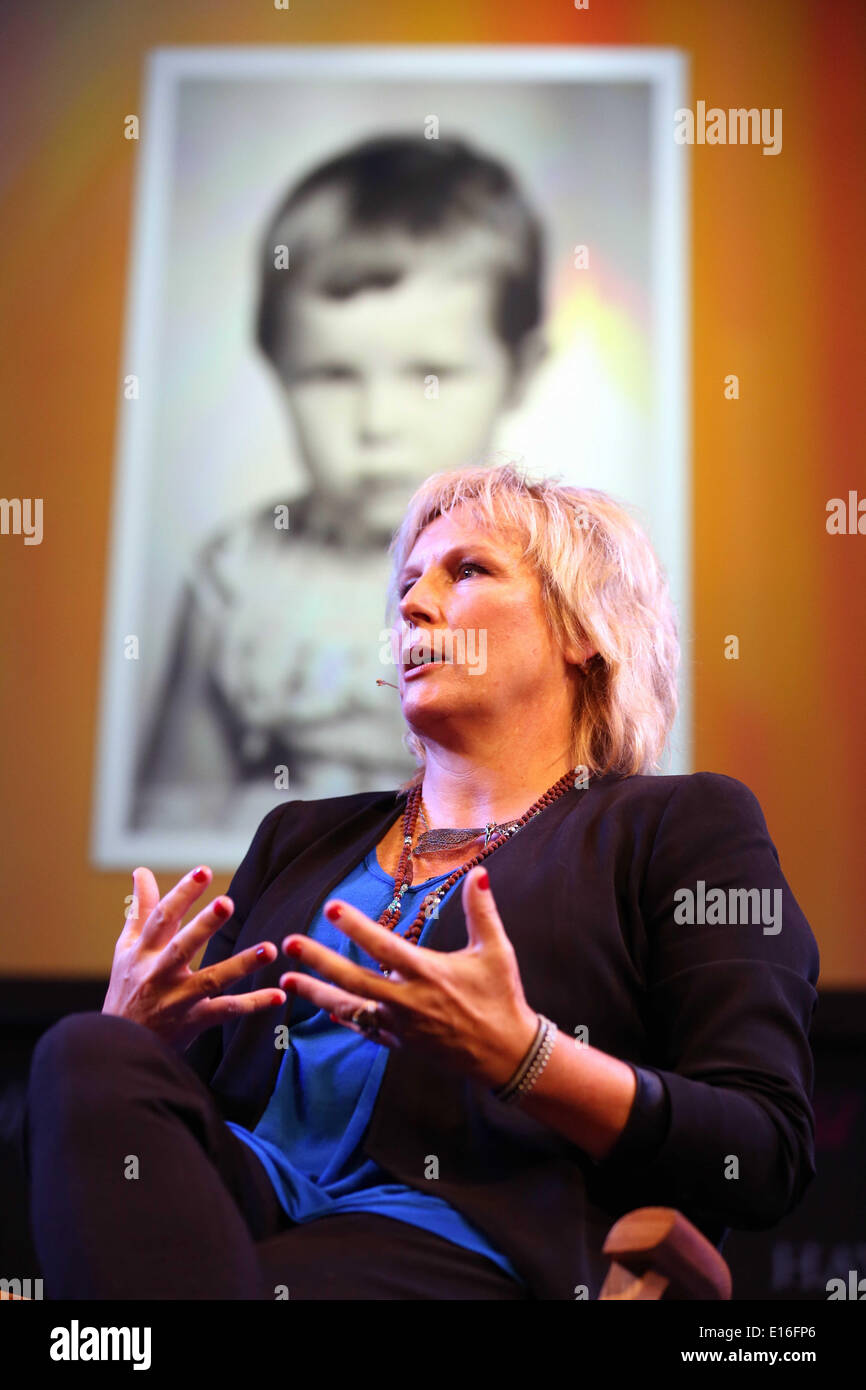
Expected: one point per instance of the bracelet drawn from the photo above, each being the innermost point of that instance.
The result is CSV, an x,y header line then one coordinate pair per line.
x,y
532,1065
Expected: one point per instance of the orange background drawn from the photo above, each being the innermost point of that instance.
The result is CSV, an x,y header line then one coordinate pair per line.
x,y
778,280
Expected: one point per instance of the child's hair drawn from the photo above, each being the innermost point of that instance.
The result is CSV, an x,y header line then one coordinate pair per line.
x,y
602,587
364,219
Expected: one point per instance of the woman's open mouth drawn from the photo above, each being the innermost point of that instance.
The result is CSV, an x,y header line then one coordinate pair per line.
x,y
421,659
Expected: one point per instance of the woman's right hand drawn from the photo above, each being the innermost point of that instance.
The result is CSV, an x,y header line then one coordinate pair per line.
x,y
151,981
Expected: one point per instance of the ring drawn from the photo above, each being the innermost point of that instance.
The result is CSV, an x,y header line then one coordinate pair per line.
x,y
366,1018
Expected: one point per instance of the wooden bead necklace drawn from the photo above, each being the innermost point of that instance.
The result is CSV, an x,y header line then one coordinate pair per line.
x,y
494,837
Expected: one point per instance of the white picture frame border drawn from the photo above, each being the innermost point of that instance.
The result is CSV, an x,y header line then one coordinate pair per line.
x,y
112,846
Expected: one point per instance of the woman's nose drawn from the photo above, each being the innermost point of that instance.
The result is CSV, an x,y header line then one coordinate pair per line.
x,y
419,600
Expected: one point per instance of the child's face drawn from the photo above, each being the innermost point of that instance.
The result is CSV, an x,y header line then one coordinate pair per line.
x,y
355,375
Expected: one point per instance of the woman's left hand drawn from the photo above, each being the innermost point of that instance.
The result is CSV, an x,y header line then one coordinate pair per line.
x,y
464,1008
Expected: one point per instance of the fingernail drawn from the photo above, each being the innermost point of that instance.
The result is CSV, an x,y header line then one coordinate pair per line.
x,y
484,879
290,987
332,912
200,875
293,948
260,951
335,1018
221,909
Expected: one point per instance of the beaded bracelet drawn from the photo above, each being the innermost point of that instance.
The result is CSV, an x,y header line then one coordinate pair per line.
x,y
532,1065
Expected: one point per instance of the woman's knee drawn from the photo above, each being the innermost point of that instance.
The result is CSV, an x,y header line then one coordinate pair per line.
x,y
83,1040
85,1070
77,1055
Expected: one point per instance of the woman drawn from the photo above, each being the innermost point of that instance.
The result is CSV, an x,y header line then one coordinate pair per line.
x,y
613,1011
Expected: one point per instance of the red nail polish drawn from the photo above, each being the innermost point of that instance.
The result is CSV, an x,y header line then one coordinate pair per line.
x,y
221,910
200,875
294,948
290,987
484,879
333,912
334,1018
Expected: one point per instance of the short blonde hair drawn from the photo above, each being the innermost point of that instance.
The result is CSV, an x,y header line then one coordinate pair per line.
x,y
602,587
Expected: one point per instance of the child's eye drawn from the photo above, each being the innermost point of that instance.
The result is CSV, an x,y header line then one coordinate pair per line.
x,y
324,373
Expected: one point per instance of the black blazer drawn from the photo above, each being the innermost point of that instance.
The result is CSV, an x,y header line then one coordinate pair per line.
x,y
719,1013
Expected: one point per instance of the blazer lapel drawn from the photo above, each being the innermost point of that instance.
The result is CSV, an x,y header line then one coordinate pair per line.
x,y
247,1071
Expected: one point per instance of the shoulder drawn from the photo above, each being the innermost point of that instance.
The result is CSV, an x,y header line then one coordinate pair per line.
x,y
684,791
688,807
292,826
312,818
225,561
339,808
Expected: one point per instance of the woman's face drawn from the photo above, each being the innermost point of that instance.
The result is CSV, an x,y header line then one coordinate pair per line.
x,y
467,596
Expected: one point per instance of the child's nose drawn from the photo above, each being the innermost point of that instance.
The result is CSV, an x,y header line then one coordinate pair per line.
x,y
378,409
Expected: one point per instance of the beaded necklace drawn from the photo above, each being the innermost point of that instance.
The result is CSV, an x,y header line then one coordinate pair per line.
x,y
493,839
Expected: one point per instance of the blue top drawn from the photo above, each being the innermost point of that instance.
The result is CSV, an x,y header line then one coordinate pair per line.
x,y
310,1136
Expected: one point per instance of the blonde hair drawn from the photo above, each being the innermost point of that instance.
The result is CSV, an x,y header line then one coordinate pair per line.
x,y
602,587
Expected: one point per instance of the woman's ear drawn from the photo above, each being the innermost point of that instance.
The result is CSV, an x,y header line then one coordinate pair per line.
x,y
579,654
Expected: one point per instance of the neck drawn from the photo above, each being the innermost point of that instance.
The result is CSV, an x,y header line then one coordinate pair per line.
x,y
354,526
462,791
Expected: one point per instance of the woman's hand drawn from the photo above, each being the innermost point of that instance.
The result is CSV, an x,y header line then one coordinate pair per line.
x,y
151,982
465,1008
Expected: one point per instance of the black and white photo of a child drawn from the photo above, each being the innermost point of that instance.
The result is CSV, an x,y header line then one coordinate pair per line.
x,y
400,306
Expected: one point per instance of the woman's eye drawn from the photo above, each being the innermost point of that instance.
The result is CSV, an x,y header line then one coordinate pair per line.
x,y
465,565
